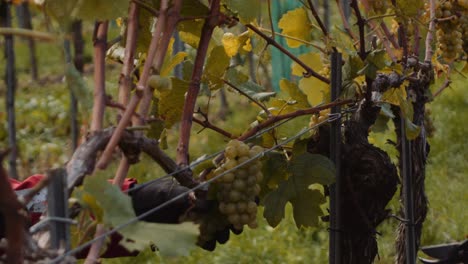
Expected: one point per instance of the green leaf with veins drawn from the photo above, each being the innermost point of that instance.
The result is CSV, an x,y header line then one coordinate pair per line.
x,y
310,168
295,93
172,102
376,60
246,10
305,212
117,210
275,201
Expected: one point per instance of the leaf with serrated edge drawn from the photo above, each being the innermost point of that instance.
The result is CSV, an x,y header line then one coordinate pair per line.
x,y
294,92
216,66
315,90
306,213
274,204
295,23
117,208
311,59
310,168
171,103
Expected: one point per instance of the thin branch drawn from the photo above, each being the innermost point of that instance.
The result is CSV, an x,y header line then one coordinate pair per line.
x,y
270,17
309,71
293,38
430,33
125,81
389,35
442,88
186,124
100,45
317,18
248,96
207,124
345,21
272,120
27,33
148,8
140,89
361,22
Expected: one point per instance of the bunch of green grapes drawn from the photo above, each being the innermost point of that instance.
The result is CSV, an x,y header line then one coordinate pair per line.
x,y
449,32
317,118
237,189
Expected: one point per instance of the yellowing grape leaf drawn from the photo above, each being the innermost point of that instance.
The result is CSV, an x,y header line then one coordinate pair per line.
x,y
190,31
393,96
117,210
216,65
171,103
295,23
170,64
311,59
231,44
315,90
293,91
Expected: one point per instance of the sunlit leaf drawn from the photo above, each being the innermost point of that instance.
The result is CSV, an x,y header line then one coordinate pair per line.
x,y
170,64
393,95
315,90
100,9
311,59
294,92
231,44
295,23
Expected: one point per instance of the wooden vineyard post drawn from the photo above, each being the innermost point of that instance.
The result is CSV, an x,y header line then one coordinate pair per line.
x,y
57,197
335,155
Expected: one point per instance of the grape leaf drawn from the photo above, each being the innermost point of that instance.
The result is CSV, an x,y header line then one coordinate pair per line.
x,y
393,96
376,60
274,169
190,31
293,91
117,210
231,44
216,65
171,103
100,9
247,10
310,168
411,130
172,62
306,214
295,23
312,87
275,201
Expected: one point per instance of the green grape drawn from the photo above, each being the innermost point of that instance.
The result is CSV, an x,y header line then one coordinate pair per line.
x,y
239,184
243,159
449,30
251,207
241,174
234,219
234,196
222,208
251,180
228,177
229,164
230,208
252,169
243,150
244,219
234,143
241,207
259,177
230,152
